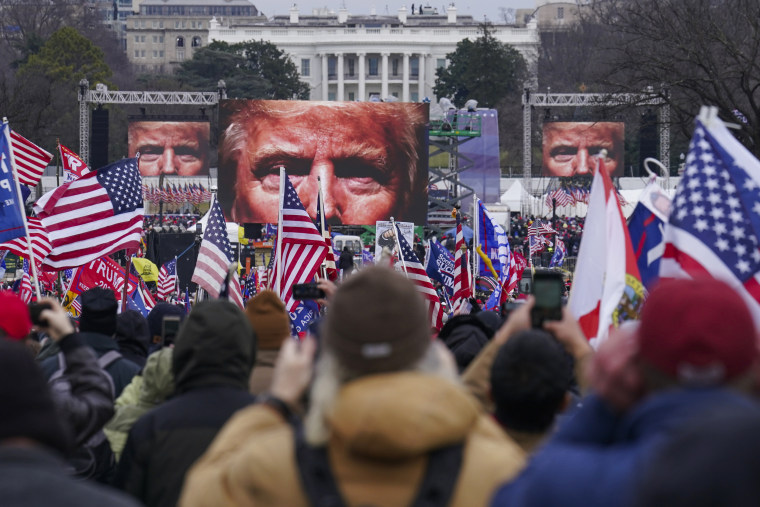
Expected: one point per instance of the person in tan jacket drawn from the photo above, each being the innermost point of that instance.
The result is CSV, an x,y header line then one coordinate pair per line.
x,y
384,403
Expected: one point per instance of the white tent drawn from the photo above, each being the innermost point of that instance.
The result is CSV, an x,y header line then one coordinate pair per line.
x,y
516,195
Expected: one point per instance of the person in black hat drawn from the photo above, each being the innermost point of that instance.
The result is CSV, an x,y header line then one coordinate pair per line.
x,y
33,442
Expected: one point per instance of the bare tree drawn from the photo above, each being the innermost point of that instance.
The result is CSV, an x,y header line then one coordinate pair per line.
x,y
700,52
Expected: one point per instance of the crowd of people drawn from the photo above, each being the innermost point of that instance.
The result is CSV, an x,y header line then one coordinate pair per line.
x,y
372,407
569,230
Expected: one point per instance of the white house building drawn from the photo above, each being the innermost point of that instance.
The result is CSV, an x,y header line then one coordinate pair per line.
x,y
366,57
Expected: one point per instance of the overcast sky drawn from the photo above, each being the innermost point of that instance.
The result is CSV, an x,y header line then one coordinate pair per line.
x,y
476,8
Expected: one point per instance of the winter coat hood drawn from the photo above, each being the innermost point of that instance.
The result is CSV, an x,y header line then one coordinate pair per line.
x,y
215,346
372,419
133,336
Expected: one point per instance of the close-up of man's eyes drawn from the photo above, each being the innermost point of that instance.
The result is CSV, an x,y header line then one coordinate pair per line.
x,y
567,153
361,171
563,153
186,153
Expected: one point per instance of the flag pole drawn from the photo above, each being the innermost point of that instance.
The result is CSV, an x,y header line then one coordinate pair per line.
x,y
321,213
58,163
475,239
278,253
23,209
126,281
396,232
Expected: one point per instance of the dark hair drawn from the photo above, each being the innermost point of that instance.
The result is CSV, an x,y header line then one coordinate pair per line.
x,y
530,377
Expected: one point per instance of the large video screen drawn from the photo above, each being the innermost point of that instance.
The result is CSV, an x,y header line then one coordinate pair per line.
x,y
371,159
178,148
572,148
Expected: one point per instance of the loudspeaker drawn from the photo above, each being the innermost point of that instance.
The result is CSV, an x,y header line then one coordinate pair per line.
x,y
648,141
99,139
164,246
252,231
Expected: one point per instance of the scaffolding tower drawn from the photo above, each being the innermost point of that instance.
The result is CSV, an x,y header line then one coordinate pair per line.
x,y
649,98
102,95
446,136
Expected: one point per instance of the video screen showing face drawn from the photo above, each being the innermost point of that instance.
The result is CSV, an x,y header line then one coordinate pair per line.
x,y
573,148
176,148
371,159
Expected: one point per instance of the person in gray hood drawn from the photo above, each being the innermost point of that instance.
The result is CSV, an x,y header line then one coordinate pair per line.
x,y
213,356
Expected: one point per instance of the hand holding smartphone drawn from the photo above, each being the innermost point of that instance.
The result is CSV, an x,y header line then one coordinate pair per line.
x,y
548,287
307,291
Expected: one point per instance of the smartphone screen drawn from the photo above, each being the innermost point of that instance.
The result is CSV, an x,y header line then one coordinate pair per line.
x,y
547,291
307,291
169,328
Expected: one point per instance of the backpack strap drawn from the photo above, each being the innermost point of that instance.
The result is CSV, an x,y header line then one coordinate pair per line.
x,y
319,485
317,478
109,358
441,477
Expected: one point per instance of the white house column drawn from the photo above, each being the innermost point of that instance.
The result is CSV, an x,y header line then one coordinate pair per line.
x,y
341,85
405,80
362,78
325,80
421,77
384,74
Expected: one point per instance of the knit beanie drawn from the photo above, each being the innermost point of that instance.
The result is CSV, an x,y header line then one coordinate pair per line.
x,y
98,311
377,322
699,332
14,316
27,407
267,314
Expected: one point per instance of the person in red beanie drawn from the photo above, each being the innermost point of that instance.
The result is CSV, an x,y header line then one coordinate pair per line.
x,y
15,323
695,349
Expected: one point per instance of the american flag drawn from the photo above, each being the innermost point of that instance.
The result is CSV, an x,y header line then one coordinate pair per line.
x,y
539,227
93,216
31,160
25,290
215,257
561,195
41,247
416,273
462,290
330,268
167,279
303,247
714,225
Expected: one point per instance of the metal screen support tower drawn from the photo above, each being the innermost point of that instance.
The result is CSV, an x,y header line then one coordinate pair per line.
x,y
592,100
102,95
446,136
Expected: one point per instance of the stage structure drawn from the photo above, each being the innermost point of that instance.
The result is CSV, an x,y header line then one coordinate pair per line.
x,y
447,135
102,95
649,98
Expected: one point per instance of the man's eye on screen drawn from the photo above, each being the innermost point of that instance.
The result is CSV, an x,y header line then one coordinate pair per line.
x,y
361,175
596,150
564,153
150,153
